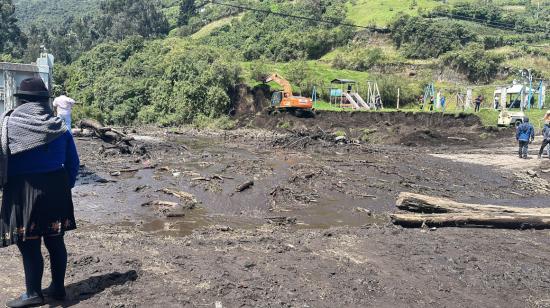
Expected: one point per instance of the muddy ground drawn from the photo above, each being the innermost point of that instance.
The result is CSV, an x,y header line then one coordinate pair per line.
x,y
278,213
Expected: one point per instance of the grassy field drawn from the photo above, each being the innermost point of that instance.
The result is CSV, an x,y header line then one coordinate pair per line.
x,y
382,12
206,30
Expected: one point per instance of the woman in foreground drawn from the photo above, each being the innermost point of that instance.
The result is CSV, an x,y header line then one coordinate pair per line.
x,y
38,168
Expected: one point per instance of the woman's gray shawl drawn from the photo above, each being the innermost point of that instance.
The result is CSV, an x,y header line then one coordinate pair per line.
x,y
24,128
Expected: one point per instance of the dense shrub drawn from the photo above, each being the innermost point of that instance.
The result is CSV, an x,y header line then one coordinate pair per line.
x,y
423,38
473,61
389,86
533,19
164,82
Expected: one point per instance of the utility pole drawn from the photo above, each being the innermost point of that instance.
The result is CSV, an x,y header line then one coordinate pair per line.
x,y
398,92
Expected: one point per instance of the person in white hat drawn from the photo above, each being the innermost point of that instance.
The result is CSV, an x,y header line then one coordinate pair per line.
x,y
64,106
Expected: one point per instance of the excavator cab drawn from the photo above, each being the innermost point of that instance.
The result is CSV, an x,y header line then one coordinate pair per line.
x,y
276,99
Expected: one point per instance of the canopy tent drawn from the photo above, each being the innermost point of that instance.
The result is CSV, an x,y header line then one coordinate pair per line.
x,y
522,96
515,89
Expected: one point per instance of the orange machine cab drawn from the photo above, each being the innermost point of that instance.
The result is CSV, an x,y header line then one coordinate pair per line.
x,y
280,100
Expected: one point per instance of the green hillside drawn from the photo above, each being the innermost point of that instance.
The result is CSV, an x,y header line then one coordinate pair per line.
x,y
127,67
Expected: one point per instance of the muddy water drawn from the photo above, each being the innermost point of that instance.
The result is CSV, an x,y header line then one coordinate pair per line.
x,y
210,171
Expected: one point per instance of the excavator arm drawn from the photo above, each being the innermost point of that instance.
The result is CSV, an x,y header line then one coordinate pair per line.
x,y
287,88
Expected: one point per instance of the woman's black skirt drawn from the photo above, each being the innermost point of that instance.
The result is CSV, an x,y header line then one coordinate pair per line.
x,y
35,205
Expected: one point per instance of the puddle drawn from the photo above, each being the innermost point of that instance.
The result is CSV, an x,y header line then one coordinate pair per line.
x,y
99,200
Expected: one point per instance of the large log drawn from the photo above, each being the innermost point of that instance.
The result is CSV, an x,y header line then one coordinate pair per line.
x,y
107,134
426,204
495,220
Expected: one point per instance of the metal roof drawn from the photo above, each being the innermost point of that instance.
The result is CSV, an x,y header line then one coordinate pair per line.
x,y
343,81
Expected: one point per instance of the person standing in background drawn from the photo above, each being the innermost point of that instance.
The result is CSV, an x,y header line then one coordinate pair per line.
x,y
525,134
64,107
478,101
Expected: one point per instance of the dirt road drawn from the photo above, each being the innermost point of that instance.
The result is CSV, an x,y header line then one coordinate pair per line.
x,y
285,216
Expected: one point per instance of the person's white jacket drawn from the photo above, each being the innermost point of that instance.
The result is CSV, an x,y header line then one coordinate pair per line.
x,y
64,106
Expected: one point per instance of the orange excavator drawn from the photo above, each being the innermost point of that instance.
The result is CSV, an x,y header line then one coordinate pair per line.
x,y
285,100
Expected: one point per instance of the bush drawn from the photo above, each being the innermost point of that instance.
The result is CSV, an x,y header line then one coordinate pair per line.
x,y
389,86
358,59
167,82
474,62
422,38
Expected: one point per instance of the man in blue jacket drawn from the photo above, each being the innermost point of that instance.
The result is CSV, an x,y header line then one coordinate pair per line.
x,y
525,134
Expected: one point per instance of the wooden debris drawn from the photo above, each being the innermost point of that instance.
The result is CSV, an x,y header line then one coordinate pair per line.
x,y
362,210
129,170
180,194
441,212
208,179
244,186
108,134
188,199
161,203
496,220
201,179
175,215
457,138
427,204
281,220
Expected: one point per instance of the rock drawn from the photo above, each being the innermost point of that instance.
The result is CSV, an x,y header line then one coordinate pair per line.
x,y
532,173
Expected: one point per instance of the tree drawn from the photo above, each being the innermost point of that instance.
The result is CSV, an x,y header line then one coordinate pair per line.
x,y
187,10
120,19
117,20
12,39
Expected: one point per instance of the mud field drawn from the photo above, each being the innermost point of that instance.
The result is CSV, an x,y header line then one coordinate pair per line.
x,y
292,212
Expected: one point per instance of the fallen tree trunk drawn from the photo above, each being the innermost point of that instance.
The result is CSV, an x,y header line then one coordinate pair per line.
x,y
506,221
441,212
426,204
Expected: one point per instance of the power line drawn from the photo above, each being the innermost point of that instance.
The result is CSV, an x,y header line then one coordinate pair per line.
x,y
333,22
494,24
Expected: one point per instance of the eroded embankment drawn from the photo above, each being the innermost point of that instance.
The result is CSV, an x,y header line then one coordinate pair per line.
x,y
403,128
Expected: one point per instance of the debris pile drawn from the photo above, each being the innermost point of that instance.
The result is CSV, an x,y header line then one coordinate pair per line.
x,y
118,141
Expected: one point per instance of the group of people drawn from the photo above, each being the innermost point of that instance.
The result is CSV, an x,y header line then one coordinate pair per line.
x,y
525,134
38,168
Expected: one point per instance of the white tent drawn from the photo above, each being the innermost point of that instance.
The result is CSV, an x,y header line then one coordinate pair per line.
x,y
515,89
